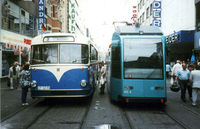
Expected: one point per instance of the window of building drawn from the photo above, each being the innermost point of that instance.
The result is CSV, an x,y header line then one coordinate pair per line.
x,y
138,7
151,9
49,28
22,12
10,16
142,17
143,1
147,13
54,13
17,19
45,10
198,16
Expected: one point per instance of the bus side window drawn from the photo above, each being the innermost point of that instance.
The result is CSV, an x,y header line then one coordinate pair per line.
x,y
93,54
116,61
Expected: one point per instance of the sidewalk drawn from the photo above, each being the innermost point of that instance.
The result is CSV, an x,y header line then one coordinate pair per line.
x,y
11,99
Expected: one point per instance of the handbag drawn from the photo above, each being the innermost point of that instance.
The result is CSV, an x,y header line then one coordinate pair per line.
x,y
175,87
102,81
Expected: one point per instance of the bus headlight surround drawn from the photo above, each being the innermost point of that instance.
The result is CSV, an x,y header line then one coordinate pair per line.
x,y
33,83
83,83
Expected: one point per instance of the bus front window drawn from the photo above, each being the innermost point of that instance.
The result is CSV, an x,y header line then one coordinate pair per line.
x,y
44,54
143,58
74,53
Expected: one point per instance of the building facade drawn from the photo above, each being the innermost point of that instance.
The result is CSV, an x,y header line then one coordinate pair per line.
x,y
75,21
176,19
178,25
197,32
144,12
53,16
18,25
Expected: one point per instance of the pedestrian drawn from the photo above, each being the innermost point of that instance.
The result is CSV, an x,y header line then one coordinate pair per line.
x,y
175,68
195,78
168,69
18,68
190,68
183,76
188,63
25,83
102,75
13,75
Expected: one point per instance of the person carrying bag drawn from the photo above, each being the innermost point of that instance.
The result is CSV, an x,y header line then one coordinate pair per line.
x,y
25,83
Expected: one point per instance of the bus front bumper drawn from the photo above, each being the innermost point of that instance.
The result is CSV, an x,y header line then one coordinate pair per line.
x,y
61,93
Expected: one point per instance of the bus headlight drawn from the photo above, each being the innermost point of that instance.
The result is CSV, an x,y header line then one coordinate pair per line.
x,y
83,83
33,83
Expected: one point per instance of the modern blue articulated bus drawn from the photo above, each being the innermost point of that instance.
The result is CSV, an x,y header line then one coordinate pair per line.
x,y
62,66
137,65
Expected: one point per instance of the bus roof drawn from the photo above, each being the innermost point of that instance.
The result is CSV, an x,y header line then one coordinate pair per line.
x,y
142,30
40,38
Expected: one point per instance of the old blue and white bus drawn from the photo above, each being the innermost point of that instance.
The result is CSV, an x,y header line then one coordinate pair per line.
x,y
137,65
62,66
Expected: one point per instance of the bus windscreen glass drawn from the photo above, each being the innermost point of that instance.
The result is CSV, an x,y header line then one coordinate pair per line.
x,y
143,58
44,54
74,53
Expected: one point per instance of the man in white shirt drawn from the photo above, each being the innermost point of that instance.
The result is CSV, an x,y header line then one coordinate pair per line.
x,y
195,77
175,68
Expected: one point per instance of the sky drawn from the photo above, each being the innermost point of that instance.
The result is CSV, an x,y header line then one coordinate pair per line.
x,y
99,16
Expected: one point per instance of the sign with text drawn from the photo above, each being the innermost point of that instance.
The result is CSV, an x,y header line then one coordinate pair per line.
x,y
134,15
41,14
73,16
156,13
157,5
157,23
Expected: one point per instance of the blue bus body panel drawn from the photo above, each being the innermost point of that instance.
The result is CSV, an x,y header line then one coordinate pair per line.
x,y
115,88
69,80
144,88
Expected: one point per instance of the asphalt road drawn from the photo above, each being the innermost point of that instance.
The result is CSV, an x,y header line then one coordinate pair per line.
x,y
100,113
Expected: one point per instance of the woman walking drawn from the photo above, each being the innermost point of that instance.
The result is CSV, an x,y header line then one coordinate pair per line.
x,y
25,83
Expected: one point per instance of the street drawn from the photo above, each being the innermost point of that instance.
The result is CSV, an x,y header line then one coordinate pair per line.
x,y
96,113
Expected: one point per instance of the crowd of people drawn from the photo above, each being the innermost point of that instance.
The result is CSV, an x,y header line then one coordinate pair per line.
x,y
187,76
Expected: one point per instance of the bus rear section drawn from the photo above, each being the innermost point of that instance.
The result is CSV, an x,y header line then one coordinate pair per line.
x,y
143,69
138,65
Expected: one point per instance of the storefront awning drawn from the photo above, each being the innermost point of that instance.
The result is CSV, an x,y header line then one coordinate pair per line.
x,y
184,36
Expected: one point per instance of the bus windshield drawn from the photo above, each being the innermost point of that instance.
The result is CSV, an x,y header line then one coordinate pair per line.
x,y
44,54
68,53
74,53
143,58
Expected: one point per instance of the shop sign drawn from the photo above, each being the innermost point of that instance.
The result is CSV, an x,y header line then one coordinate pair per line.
x,y
157,23
27,41
156,13
157,5
73,15
41,14
14,41
134,15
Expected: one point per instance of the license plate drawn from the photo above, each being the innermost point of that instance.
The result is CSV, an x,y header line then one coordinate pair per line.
x,y
43,87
